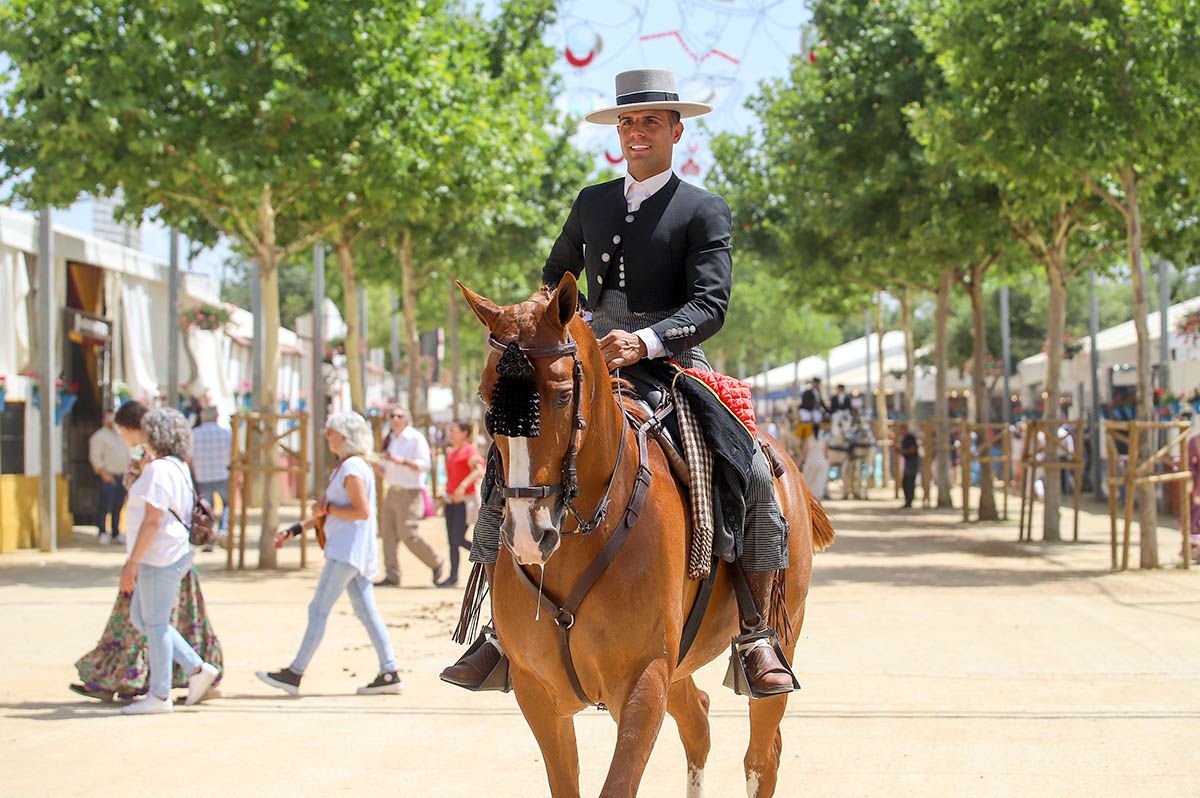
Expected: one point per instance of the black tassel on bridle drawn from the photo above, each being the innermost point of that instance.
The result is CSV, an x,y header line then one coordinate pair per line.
x,y
513,409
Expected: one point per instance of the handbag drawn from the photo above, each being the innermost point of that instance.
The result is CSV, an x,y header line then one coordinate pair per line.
x,y
428,509
200,531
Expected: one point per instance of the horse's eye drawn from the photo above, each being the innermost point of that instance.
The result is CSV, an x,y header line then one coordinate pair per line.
x,y
563,399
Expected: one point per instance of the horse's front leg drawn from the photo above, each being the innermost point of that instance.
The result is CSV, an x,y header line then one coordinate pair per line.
x,y
639,718
555,735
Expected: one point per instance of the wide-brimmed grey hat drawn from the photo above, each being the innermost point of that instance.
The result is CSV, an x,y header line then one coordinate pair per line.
x,y
646,89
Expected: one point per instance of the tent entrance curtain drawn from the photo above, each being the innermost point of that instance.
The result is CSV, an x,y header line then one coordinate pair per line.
x,y
138,323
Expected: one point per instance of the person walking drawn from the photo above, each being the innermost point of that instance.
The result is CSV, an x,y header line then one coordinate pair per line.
x,y
464,469
911,453
406,461
351,561
159,555
213,445
116,669
109,457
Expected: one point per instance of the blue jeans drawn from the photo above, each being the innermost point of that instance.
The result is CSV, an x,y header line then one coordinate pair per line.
x,y
209,490
338,576
150,612
112,499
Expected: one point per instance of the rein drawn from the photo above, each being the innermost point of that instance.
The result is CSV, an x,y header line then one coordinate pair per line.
x,y
568,486
568,489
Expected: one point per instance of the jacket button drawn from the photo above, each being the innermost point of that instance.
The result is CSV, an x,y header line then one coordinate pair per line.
x,y
629,218
616,239
604,257
600,280
620,283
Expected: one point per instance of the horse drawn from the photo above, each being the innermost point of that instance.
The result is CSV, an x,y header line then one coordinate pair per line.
x,y
620,647
850,441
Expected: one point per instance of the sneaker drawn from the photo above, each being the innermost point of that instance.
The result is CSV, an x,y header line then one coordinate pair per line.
x,y
387,682
148,706
118,538
286,680
103,539
200,681
101,695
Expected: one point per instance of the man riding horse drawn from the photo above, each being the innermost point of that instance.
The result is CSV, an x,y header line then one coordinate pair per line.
x,y
659,272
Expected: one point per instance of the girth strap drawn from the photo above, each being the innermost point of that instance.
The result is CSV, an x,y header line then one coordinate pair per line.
x,y
564,615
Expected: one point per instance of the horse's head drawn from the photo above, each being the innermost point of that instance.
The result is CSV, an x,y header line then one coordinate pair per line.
x,y
532,386
839,425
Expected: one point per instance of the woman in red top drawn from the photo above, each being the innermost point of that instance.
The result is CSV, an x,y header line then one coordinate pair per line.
x,y
464,470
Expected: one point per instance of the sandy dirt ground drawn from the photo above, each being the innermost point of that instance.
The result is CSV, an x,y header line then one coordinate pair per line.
x,y
937,659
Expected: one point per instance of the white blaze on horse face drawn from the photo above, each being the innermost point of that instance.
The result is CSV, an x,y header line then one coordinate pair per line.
x,y
520,510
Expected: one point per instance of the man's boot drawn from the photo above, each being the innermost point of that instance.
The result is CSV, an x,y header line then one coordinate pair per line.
x,y
766,669
484,665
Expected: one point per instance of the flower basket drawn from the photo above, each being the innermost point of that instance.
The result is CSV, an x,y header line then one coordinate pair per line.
x,y
209,318
1188,327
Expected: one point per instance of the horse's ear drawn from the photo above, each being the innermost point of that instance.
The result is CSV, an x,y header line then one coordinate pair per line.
x,y
564,302
487,310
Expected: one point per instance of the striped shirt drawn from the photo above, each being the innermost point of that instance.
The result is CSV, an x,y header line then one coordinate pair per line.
x,y
210,452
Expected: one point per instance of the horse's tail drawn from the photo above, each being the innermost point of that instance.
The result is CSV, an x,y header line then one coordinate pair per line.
x,y
822,530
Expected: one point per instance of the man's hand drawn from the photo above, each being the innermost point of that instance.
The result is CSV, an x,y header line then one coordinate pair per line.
x,y
622,348
105,476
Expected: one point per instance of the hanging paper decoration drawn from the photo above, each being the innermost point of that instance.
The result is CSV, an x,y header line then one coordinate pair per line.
x,y
690,168
583,45
613,159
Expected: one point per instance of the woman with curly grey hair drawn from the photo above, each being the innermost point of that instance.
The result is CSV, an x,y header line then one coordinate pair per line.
x,y
160,555
348,514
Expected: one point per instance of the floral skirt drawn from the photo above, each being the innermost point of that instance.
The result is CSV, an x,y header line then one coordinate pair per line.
x,y
120,661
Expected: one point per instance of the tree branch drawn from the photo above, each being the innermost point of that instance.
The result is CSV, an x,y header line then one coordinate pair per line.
x,y
1105,195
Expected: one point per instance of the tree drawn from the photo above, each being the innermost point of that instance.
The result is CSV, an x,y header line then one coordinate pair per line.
x,y
1065,97
843,186
234,120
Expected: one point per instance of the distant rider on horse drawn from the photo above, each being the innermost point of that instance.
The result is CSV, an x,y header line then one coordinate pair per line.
x,y
659,273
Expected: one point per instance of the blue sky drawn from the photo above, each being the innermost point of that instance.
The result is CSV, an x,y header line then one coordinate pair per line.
x,y
719,51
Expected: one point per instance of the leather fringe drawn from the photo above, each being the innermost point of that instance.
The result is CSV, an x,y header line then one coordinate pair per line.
x,y
472,606
779,618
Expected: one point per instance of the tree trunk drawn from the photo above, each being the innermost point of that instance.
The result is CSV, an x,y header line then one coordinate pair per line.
x,y
353,319
881,402
412,341
941,402
1146,494
910,364
987,496
1056,323
268,265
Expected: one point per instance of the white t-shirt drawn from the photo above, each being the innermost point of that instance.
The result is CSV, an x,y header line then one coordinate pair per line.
x,y
409,445
352,541
167,485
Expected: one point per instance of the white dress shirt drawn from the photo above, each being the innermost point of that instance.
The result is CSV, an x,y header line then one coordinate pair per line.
x,y
409,444
637,192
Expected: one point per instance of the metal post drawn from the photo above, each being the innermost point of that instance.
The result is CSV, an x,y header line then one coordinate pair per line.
x,y
1164,339
395,305
869,399
256,346
173,323
1094,356
318,369
363,349
1006,353
48,367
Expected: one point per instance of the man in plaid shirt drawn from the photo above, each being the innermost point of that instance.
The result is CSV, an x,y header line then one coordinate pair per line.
x,y
212,444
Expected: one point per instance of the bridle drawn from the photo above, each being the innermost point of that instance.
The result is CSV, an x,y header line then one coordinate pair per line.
x,y
567,489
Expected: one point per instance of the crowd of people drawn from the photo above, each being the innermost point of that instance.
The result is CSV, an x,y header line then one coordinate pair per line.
x,y
152,465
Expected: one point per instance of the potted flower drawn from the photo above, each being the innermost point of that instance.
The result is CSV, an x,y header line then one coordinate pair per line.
x,y
209,318
122,392
1194,400
3,391
244,396
1188,327
1166,402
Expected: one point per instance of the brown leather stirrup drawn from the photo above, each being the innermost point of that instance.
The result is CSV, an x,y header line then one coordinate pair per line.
x,y
758,671
482,668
